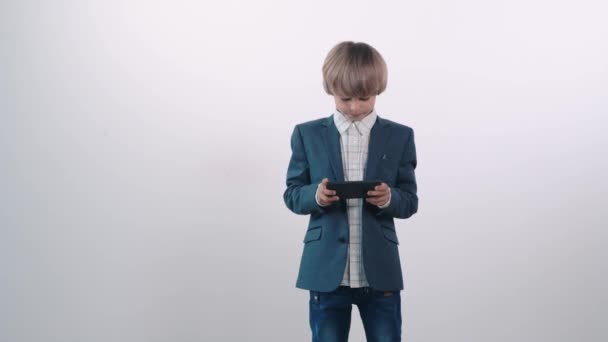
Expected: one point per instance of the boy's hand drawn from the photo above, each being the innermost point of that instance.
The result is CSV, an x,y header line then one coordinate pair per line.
x,y
325,196
380,195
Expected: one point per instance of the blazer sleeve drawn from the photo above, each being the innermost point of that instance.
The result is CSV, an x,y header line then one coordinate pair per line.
x,y
300,193
404,200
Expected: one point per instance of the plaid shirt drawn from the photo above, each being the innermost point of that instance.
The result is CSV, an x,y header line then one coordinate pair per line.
x,y
354,144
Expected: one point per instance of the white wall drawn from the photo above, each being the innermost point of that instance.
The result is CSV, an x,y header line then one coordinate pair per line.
x,y
144,147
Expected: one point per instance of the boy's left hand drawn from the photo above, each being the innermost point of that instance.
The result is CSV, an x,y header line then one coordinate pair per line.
x,y
380,195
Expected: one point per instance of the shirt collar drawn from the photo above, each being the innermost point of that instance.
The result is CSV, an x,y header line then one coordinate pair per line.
x,y
365,125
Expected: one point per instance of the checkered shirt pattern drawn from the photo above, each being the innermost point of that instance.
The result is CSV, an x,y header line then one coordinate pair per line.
x,y
354,144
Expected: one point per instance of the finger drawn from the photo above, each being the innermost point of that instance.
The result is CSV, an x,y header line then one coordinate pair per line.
x,y
328,200
377,200
373,193
381,187
323,183
380,190
328,192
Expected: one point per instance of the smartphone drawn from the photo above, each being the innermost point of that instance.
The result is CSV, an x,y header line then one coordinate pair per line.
x,y
352,189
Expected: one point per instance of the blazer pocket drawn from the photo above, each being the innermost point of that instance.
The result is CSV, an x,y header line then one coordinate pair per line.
x,y
390,235
314,233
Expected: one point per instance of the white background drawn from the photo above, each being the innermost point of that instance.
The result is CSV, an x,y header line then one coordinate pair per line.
x,y
144,147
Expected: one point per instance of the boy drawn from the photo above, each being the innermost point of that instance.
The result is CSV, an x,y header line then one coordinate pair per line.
x,y
350,247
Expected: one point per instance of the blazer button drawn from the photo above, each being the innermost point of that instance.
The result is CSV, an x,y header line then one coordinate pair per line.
x,y
342,240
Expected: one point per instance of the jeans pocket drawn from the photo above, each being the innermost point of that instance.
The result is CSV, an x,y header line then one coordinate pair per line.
x,y
386,294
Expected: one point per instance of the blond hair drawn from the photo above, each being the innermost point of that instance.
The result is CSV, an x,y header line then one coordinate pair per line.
x,y
354,69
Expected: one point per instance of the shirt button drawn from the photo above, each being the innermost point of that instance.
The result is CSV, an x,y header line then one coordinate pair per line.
x,y
342,240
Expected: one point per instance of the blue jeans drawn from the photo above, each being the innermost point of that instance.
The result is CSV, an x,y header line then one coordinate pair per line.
x,y
380,313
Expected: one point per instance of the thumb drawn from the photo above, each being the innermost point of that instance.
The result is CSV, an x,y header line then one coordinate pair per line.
x,y
324,181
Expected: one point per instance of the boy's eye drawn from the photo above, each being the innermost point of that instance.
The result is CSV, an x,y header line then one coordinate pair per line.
x,y
364,99
345,99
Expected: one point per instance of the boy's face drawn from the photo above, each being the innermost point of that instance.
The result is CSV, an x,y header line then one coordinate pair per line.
x,y
355,108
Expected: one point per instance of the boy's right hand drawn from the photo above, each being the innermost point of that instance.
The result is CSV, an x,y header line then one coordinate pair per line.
x,y
325,196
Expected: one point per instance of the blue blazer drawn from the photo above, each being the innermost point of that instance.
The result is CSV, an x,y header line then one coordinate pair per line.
x,y
315,155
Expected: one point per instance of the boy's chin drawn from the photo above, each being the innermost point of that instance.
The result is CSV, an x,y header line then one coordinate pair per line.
x,y
355,117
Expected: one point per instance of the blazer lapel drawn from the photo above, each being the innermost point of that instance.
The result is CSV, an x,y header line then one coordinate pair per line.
x,y
378,139
332,142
